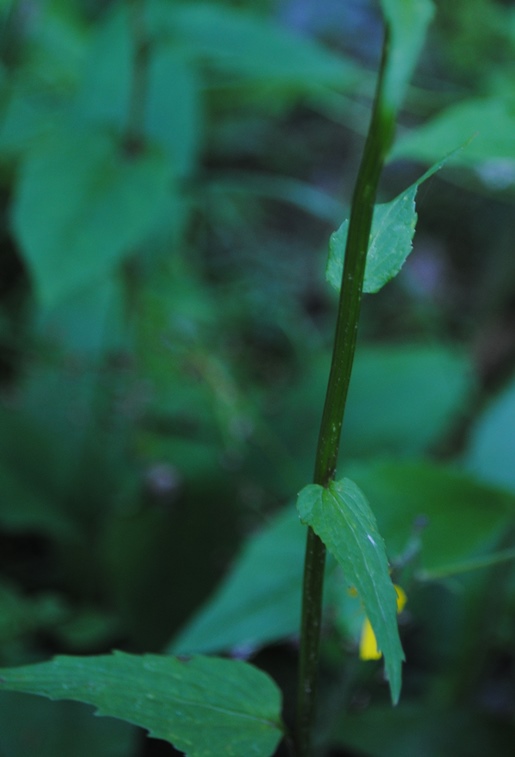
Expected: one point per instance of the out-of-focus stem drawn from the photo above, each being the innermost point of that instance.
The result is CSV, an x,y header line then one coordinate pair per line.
x,y
135,130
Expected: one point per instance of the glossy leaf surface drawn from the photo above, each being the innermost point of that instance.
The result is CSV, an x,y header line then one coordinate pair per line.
x,y
204,706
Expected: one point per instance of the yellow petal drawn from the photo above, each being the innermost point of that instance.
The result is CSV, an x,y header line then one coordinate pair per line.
x,y
368,644
401,598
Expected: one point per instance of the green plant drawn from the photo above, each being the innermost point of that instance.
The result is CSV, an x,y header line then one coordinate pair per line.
x,y
338,513
107,175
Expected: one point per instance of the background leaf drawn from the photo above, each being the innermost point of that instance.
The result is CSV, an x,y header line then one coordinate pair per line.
x,y
244,47
82,205
461,516
20,615
30,726
490,449
88,323
407,21
425,729
33,511
491,121
385,413
204,706
173,113
259,602
341,516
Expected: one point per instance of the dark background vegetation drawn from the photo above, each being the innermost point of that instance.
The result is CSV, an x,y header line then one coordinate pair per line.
x,y
160,389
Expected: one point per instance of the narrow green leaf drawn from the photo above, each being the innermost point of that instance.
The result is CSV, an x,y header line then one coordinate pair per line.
x,y
341,516
491,119
391,237
82,205
476,563
407,21
203,706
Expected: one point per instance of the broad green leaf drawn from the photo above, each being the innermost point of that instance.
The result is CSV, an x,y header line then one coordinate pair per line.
x,y
404,398
342,518
204,706
384,414
39,89
491,120
25,116
51,438
56,54
407,21
259,602
82,206
461,518
245,47
31,726
173,117
87,324
391,237
36,476
490,449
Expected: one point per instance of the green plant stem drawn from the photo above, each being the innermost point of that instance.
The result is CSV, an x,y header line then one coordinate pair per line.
x,y
378,141
135,131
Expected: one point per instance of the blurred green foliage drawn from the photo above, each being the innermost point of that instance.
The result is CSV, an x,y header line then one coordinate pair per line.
x,y
164,337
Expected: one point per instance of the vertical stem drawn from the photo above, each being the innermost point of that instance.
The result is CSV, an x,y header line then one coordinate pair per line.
x,y
312,594
135,131
378,141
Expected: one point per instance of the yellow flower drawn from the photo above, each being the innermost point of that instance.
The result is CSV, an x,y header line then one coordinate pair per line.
x,y
368,644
